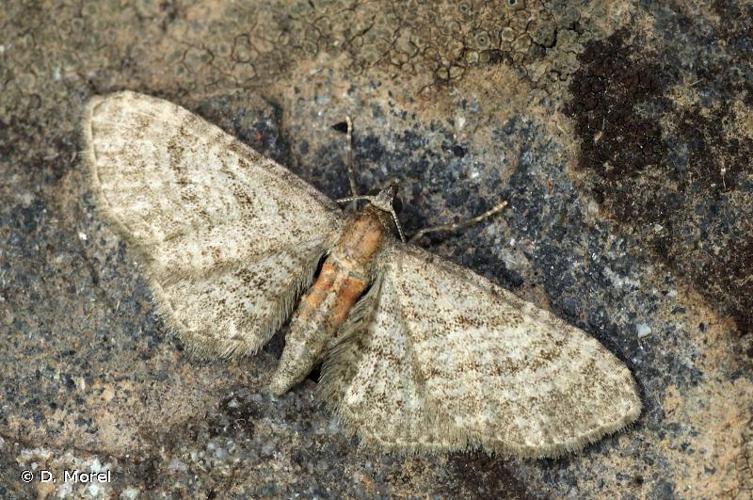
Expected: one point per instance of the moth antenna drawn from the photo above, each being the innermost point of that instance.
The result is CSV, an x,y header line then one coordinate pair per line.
x,y
349,158
398,226
350,164
348,199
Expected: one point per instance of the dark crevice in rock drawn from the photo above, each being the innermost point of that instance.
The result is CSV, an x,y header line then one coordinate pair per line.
x,y
676,169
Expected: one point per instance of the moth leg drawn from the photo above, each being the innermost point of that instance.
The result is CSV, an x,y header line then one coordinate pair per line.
x,y
458,225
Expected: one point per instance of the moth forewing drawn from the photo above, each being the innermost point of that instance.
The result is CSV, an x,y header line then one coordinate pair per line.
x,y
211,218
418,354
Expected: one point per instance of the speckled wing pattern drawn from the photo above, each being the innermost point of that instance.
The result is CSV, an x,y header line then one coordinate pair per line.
x,y
449,360
229,237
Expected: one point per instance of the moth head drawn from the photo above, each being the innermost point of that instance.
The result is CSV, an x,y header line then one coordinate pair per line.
x,y
387,197
387,200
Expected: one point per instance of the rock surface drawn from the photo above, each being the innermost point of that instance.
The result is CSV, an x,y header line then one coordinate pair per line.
x,y
620,133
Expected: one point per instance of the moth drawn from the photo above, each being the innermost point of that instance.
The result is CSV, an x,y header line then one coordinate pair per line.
x,y
417,354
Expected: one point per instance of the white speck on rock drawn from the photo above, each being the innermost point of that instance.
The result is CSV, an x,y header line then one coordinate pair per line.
x,y
620,281
268,449
65,490
643,330
130,494
177,466
95,465
93,490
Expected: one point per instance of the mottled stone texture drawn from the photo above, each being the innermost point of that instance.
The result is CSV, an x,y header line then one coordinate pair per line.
x,y
620,133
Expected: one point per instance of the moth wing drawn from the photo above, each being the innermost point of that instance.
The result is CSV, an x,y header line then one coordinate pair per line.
x,y
229,237
449,361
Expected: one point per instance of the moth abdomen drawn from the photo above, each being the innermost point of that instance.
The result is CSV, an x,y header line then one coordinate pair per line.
x,y
326,306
